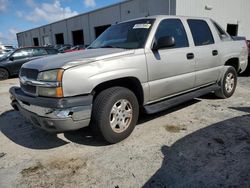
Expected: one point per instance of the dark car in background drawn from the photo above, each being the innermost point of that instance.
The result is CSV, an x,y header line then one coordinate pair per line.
x,y
10,63
247,71
75,48
248,66
59,46
248,44
64,48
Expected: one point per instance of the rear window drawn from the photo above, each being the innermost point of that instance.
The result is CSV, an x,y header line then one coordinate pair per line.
x,y
201,32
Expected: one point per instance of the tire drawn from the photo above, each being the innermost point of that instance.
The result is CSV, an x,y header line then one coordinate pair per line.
x,y
228,83
4,74
115,114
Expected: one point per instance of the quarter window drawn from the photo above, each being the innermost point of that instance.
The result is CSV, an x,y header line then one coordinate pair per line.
x,y
220,31
201,32
173,28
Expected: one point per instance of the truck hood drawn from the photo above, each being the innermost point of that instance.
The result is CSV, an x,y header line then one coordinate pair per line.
x,y
68,60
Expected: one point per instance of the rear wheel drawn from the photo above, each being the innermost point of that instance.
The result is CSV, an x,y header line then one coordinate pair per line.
x,y
228,83
115,114
4,74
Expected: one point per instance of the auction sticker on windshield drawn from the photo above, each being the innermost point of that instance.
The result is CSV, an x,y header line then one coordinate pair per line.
x,y
142,26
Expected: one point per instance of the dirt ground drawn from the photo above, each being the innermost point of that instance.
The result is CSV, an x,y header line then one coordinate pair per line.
x,y
203,143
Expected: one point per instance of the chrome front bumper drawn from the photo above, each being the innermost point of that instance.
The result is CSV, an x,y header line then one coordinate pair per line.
x,y
55,115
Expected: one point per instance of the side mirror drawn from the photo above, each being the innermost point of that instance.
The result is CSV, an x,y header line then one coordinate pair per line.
x,y
164,42
11,58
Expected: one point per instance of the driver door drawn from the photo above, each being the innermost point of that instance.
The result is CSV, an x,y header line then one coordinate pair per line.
x,y
171,70
18,58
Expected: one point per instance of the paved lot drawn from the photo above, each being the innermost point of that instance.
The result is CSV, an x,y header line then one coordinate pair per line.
x,y
203,143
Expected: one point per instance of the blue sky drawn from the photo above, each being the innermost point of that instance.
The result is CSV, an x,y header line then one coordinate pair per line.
x,y
20,15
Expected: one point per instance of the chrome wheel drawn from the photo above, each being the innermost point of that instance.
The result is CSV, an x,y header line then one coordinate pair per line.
x,y
121,115
230,82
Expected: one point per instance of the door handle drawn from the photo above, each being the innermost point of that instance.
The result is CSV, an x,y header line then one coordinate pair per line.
x,y
190,56
215,52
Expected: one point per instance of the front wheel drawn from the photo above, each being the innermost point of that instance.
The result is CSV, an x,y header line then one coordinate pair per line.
x,y
228,83
4,74
115,114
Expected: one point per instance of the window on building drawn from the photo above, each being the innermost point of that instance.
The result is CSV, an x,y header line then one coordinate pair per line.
x,y
174,28
35,41
100,29
201,32
46,40
232,29
59,38
78,37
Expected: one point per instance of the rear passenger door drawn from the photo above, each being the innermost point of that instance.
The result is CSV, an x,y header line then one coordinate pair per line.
x,y
171,70
206,53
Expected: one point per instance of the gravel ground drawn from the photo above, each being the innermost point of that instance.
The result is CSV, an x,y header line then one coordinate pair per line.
x,y
203,143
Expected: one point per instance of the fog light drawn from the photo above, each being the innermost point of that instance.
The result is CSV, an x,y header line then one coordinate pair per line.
x,y
63,113
50,123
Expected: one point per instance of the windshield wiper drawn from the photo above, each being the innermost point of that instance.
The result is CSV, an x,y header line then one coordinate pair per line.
x,y
109,46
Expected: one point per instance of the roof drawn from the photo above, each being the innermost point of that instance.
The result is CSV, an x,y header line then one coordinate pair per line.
x,y
165,17
34,47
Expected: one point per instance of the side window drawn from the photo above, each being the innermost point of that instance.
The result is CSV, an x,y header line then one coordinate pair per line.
x,y
174,28
220,31
21,54
38,52
52,51
201,32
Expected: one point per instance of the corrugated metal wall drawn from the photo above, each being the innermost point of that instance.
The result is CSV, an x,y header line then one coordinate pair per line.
x,y
222,11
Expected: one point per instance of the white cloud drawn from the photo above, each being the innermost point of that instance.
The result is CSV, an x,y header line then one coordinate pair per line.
x,y
1,38
19,13
3,5
12,33
49,12
89,3
9,37
30,3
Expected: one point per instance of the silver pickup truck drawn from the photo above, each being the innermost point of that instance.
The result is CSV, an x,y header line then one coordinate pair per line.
x,y
150,64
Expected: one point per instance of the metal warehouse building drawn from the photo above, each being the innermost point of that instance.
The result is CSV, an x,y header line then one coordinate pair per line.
x,y
233,15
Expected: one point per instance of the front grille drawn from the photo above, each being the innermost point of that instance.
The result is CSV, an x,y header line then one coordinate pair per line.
x,y
29,73
28,88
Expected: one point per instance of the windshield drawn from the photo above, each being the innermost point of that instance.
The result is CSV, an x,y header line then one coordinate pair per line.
x,y
128,35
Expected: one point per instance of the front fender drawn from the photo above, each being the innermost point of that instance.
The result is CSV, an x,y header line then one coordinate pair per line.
x,y
82,80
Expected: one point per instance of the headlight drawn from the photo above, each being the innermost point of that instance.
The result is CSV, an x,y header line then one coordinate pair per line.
x,y
51,76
